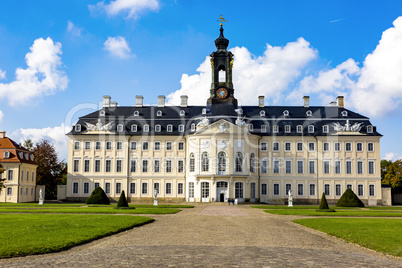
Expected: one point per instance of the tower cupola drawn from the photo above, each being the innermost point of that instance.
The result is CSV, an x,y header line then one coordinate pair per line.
x,y
221,42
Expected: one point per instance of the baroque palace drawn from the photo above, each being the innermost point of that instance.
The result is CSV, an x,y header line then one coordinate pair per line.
x,y
222,150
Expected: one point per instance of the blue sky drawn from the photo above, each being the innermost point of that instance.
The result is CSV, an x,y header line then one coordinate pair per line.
x,y
71,53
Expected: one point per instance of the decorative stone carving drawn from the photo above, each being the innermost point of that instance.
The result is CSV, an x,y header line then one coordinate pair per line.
x,y
240,121
205,144
347,127
204,122
223,127
222,144
99,126
290,199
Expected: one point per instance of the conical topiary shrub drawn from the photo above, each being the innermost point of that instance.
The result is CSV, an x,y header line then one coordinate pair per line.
x,y
122,201
323,202
349,199
98,196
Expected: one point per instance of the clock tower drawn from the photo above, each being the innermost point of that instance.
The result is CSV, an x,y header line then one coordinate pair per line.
x,y
222,91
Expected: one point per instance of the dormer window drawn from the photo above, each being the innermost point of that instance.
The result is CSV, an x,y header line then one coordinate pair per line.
x,y
250,127
158,128
288,129
6,154
146,128
192,127
20,155
102,113
136,113
310,129
286,113
31,157
325,129
182,113
204,111
275,129
344,113
299,129
369,129
159,113
77,128
26,156
169,128
262,113
133,128
181,128
119,128
309,113
264,128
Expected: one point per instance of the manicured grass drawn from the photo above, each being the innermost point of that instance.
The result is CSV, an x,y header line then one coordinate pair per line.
x,y
89,210
26,234
295,207
383,235
338,212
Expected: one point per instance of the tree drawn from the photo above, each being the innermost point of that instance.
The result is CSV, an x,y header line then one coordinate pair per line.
x,y
384,166
393,174
122,201
2,180
349,199
323,202
98,196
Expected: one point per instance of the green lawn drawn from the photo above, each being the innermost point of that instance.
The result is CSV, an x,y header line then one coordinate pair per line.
x,y
383,235
26,234
89,209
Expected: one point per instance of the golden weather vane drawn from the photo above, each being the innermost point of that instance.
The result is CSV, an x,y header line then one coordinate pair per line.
x,y
221,20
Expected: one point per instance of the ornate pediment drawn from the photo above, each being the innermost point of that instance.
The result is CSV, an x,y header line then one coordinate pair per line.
x,y
99,127
356,127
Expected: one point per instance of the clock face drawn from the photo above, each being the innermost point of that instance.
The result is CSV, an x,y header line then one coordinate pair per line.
x,y
222,93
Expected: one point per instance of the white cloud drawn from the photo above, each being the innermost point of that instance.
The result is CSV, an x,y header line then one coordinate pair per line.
x,y
269,74
2,74
392,156
1,116
130,7
42,77
118,47
74,30
55,135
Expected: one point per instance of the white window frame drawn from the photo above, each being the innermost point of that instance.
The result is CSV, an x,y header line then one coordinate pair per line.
x,y
310,190
299,129
278,190
133,146
290,147
276,146
368,147
264,191
302,189
75,188
348,144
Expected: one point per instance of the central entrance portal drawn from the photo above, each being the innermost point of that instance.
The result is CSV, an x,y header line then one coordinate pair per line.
x,y
222,193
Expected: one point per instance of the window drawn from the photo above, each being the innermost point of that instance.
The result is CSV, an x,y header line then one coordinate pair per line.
x,y
76,165
262,113
288,146
145,146
250,127
371,190
168,146
76,146
369,129
300,189
159,113
309,113
299,129
370,147
27,175
337,166
338,189
98,145
359,147
192,163
288,129
133,165
118,187
192,128
275,129
238,190
239,162
370,167
264,166
180,166
133,145
119,128
181,128
119,146
136,113
276,166
107,187
191,189
144,188
181,146
180,188
263,146
134,128
337,146
168,188
156,187
144,165
288,187
344,113
288,166
276,188
86,165
205,162
169,128
264,189
108,145
311,166
325,129
312,189
96,185
10,190
87,145
359,167
275,146
286,113
33,176
157,146
348,147
97,165
326,146
77,127
263,128
10,174
132,187
252,163
118,165
168,165
310,129
300,166
299,146
311,146
157,165
108,165
327,189
326,167
360,189
86,187
348,167
75,187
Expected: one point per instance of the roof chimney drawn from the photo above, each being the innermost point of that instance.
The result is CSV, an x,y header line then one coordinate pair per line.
x,y
113,104
138,101
183,100
340,101
106,101
161,101
2,134
333,103
306,100
261,101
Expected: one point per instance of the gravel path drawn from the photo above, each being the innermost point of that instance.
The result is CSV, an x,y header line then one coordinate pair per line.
x,y
211,235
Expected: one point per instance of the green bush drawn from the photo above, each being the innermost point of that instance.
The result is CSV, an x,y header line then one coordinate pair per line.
x,y
349,199
323,202
122,201
98,196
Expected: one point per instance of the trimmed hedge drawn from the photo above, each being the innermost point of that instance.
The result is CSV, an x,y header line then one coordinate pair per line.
x,y
98,196
349,199
323,202
122,201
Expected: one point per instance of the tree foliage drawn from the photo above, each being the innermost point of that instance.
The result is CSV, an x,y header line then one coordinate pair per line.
x,y
98,196
349,199
122,201
2,180
393,174
323,202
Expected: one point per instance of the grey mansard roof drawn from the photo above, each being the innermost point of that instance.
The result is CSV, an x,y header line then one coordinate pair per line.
x,y
274,115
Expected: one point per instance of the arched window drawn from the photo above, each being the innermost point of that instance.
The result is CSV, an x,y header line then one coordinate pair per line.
x,y
222,76
239,162
192,127
205,161
221,163
182,113
120,128
77,127
192,163
238,190
158,128
252,163
133,128
159,113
